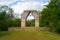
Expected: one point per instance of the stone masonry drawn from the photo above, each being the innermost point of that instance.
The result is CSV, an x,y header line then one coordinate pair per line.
x,y
26,14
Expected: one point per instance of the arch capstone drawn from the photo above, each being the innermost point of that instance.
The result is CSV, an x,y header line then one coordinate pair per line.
x,y
26,13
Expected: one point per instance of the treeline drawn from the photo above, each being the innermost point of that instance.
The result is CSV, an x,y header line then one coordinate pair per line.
x,y
30,23
7,19
51,16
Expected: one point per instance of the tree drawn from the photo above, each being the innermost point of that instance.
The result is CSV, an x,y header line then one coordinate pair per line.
x,y
51,15
5,18
30,22
16,22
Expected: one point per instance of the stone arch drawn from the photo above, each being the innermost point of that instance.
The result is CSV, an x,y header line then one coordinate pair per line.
x,y
25,15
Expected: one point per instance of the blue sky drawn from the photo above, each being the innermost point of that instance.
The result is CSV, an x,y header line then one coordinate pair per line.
x,y
20,5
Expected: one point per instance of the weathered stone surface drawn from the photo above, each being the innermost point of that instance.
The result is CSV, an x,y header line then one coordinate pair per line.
x,y
25,15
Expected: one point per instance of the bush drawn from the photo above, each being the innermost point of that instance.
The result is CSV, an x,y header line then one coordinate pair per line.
x,y
57,30
3,28
4,25
30,22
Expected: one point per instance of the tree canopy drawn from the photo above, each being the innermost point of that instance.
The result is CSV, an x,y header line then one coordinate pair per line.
x,y
5,17
51,14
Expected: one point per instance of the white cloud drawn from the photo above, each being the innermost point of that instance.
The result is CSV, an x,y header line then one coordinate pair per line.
x,y
20,7
24,5
5,2
30,17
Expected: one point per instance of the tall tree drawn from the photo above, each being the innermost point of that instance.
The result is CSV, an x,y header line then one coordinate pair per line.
x,y
5,16
51,14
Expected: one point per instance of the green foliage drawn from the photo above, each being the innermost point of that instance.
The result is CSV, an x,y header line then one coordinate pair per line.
x,y
57,28
5,20
30,23
51,15
16,22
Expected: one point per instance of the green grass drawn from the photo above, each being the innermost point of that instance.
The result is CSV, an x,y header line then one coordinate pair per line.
x,y
28,35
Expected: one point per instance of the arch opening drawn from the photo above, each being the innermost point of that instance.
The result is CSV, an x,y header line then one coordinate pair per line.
x,y
30,20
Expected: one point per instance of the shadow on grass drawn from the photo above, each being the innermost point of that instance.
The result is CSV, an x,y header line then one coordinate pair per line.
x,y
4,33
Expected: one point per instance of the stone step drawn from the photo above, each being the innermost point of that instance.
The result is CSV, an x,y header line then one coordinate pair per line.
x,y
30,28
24,28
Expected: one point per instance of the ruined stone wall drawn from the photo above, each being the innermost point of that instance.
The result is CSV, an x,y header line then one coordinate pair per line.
x,y
25,15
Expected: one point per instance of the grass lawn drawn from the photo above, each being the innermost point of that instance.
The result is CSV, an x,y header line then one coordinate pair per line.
x,y
28,35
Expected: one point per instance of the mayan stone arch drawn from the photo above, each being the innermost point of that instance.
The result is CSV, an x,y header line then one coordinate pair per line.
x,y
25,15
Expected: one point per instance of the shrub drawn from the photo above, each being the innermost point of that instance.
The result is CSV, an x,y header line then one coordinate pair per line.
x,y
3,28
57,30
